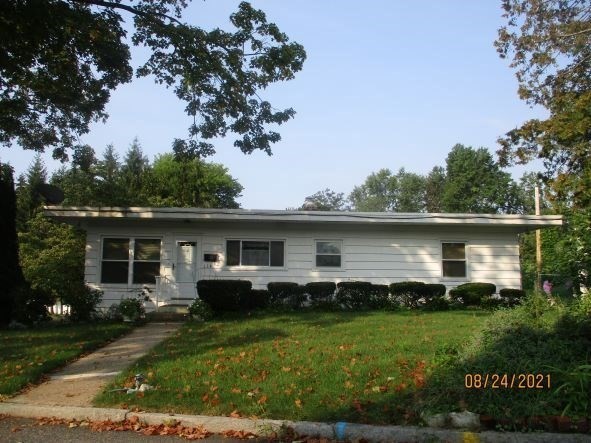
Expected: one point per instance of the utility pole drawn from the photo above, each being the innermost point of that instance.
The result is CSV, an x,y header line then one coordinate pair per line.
x,y
538,243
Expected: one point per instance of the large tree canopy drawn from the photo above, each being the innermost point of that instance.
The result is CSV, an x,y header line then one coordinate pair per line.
x,y
549,43
60,60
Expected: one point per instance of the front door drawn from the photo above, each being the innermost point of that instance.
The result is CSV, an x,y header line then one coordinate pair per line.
x,y
186,270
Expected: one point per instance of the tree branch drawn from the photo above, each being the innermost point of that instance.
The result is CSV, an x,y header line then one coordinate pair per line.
x,y
584,31
112,5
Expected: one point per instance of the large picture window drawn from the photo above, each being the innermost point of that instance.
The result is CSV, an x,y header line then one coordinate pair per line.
x,y
453,260
255,253
140,255
328,254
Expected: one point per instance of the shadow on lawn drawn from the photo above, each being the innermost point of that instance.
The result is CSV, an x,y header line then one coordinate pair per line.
x,y
531,404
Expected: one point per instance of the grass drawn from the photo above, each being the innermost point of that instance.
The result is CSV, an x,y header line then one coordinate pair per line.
x,y
356,367
26,355
552,342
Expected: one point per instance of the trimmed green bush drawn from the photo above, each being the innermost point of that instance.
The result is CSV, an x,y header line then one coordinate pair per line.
x,y
434,290
321,292
354,294
408,292
258,299
512,297
437,304
286,294
224,295
380,297
471,294
491,303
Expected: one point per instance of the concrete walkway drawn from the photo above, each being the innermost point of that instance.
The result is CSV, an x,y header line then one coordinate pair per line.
x,y
79,382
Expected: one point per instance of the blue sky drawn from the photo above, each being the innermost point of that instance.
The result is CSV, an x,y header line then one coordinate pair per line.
x,y
387,84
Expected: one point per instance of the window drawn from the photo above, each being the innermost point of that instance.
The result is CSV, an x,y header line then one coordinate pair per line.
x,y
141,255
255,253
146,260
328,254
115,265
453,261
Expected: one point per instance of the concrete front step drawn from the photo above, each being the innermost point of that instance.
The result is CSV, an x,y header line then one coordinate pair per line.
x,y
169,315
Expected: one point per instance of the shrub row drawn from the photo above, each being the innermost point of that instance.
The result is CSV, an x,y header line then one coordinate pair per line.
x,y
238,295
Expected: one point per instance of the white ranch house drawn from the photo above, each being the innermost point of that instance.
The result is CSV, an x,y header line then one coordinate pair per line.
x,y
169,249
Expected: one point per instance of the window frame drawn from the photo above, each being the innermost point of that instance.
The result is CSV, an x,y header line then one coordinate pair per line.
x,y
130,258
255,267
466,260
341,255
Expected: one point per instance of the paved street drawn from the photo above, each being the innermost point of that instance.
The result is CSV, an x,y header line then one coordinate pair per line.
x,y
26,430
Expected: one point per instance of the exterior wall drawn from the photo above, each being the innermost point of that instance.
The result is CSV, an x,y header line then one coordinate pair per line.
x,y
383,254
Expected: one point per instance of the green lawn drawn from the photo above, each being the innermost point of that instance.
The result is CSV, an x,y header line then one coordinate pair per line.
x,y
357,367
28,354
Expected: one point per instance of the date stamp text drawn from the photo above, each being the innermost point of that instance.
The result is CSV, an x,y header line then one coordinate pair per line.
x,y
507,381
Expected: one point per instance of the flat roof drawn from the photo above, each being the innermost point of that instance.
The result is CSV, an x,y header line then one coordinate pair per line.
x,y
73,214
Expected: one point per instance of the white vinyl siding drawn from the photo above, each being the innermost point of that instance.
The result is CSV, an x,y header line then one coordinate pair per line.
x,y
377,254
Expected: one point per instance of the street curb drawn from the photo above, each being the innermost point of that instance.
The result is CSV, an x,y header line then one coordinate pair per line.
x,y
265,427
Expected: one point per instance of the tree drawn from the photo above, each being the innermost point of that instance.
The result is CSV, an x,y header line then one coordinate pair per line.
x,y
191,182
411,192
134,171
327,200
434,186
28,199
60,60
108,187
78,181
384,191
52,257
376,194
475,183
549,43
11,276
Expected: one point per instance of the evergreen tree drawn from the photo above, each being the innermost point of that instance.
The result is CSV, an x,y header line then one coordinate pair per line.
x,y
28,198
134,172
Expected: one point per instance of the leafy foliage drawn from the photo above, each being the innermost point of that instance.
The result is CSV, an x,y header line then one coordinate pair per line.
x,y
384,191
549,46
409,293
326,200
534,338
66,57
287,294
321,293
471,294
52,257
476,184
83,303
191,182
199,310
224,295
